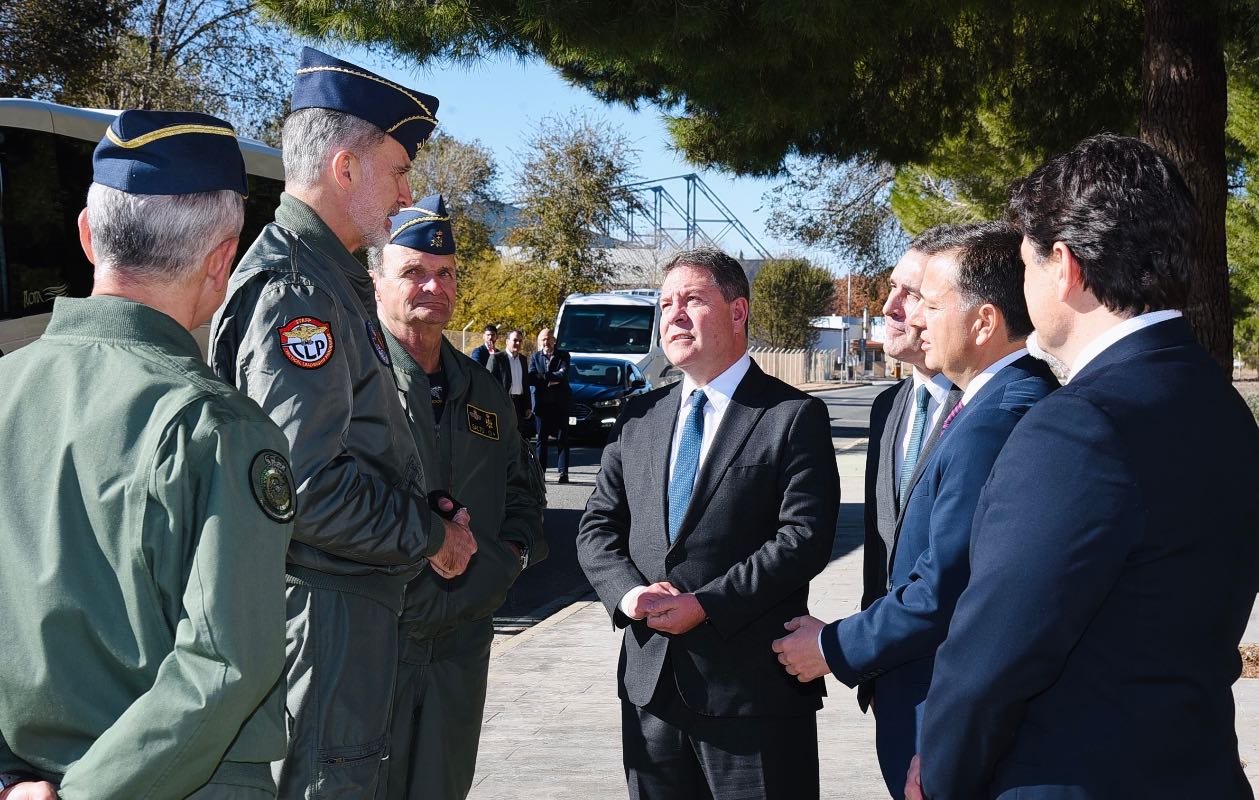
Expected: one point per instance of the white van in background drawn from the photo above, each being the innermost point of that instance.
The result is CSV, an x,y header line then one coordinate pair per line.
x,y
622,324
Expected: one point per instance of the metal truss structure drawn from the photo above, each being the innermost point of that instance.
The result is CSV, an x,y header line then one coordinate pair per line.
x,y
660,221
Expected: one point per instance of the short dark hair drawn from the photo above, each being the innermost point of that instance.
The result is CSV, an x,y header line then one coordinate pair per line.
x,y
935,239
1125,213
726,272
516,331
989,270
491,329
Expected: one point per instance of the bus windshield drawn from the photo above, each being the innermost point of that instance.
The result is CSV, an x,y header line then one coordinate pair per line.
x,y
605,329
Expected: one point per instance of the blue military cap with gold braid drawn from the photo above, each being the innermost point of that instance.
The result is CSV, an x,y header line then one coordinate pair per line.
x,y
424,227
169,152
326,82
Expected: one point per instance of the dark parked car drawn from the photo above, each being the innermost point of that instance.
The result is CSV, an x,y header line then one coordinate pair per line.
x,y
601,386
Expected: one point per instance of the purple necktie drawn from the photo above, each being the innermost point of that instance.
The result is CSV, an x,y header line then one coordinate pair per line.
x,y
956,410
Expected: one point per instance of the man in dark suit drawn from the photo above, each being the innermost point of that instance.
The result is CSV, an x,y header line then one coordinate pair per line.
x,y
1114,559
483,352
715,506
901,438
548,371
512,371
972,321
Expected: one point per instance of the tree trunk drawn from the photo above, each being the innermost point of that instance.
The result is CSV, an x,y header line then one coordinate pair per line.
x,y
1184,98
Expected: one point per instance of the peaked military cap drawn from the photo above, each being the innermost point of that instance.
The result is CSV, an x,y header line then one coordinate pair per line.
x,y
326,82
424,227
169,152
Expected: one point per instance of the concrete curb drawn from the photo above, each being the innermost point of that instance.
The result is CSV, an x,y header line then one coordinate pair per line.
x,y
551,621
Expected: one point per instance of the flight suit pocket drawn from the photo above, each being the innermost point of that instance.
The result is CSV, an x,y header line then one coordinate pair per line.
x,y
349,772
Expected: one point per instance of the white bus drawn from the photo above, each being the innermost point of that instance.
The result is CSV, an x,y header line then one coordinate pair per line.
x,y
45,170
624,324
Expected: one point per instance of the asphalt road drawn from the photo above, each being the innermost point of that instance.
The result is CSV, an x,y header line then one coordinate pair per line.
x,y
557,581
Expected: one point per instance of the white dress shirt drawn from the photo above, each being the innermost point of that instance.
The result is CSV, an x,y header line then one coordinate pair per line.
x,y
1126,328
977,382
517,380
938,387
718,392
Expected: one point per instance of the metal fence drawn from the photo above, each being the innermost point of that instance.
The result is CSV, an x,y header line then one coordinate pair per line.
x,y
797,366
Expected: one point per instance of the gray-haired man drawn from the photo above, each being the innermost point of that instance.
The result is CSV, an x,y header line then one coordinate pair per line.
x,y
299,334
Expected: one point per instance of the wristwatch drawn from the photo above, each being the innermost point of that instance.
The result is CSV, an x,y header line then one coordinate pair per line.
x,y
524,556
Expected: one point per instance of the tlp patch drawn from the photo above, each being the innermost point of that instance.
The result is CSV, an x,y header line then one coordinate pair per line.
x,y
306,341
272,484
482,422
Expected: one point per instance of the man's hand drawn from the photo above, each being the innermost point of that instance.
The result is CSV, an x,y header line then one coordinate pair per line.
x,y
457,548
675,614
913,780
799,651
649,595
29,790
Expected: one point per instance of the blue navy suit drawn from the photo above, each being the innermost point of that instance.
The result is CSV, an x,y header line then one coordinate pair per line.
x,y
893,642
1114,563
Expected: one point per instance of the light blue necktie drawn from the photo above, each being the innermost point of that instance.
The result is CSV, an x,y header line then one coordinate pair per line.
x,y
922,398
687,463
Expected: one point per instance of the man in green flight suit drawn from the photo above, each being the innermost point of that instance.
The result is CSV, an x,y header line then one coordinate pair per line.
x,y
299,335
147,505
465,428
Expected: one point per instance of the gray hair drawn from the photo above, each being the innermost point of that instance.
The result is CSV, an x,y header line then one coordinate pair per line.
x,y
311,135
375,259
726,272
157,235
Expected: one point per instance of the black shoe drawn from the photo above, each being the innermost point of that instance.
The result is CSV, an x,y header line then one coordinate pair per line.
x,y
563,478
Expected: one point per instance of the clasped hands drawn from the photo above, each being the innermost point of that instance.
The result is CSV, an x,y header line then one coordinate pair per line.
x,y
667,610
458,546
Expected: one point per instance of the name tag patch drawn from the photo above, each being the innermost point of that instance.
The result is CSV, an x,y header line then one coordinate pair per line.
x,y
306,341
482,422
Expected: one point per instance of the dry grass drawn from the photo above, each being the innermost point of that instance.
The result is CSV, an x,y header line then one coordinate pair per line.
x,y
1250,660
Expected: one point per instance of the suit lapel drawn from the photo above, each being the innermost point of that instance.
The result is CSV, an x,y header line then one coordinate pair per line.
x,y
950,402
886,484
741,416
662,421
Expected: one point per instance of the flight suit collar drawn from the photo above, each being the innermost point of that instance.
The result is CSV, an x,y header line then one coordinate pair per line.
x,y
301,219
117,319
408,371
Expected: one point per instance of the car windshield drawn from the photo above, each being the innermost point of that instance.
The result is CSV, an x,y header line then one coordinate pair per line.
x,y
605,328
597,373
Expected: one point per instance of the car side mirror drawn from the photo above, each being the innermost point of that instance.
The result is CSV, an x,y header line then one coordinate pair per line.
x,y
637,383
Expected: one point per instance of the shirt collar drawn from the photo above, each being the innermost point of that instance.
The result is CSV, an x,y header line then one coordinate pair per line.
x,y
1112,336
720,389
938,385
989,372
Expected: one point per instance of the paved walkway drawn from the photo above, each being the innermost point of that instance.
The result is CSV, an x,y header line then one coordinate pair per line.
x,y
552,718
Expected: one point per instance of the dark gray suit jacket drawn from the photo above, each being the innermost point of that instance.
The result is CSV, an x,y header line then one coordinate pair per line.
x,y
760,525
887,415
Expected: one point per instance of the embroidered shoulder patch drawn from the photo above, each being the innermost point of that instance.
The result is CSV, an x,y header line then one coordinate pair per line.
x,y
306,341
378,343
272,485
482,422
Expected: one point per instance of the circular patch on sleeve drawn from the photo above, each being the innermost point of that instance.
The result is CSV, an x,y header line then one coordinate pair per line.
x,y
306,341
272,484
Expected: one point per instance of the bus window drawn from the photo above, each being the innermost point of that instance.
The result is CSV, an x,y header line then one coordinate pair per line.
x,y
606,328
45,185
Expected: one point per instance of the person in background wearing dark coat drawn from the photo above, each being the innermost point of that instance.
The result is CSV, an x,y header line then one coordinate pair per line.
x,y
972,322
486,350
548,371
1114,558
714,508
512,371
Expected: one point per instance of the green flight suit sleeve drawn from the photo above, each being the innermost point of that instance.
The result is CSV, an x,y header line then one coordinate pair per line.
x,y
228,649
526,498
343,509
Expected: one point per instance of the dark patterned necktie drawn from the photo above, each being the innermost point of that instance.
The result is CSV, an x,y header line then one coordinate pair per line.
x,y
922,400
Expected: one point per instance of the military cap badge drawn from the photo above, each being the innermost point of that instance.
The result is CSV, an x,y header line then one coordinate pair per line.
x,y
424,227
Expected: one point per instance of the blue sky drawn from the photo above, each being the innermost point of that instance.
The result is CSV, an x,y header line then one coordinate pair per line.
x,y
500,101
